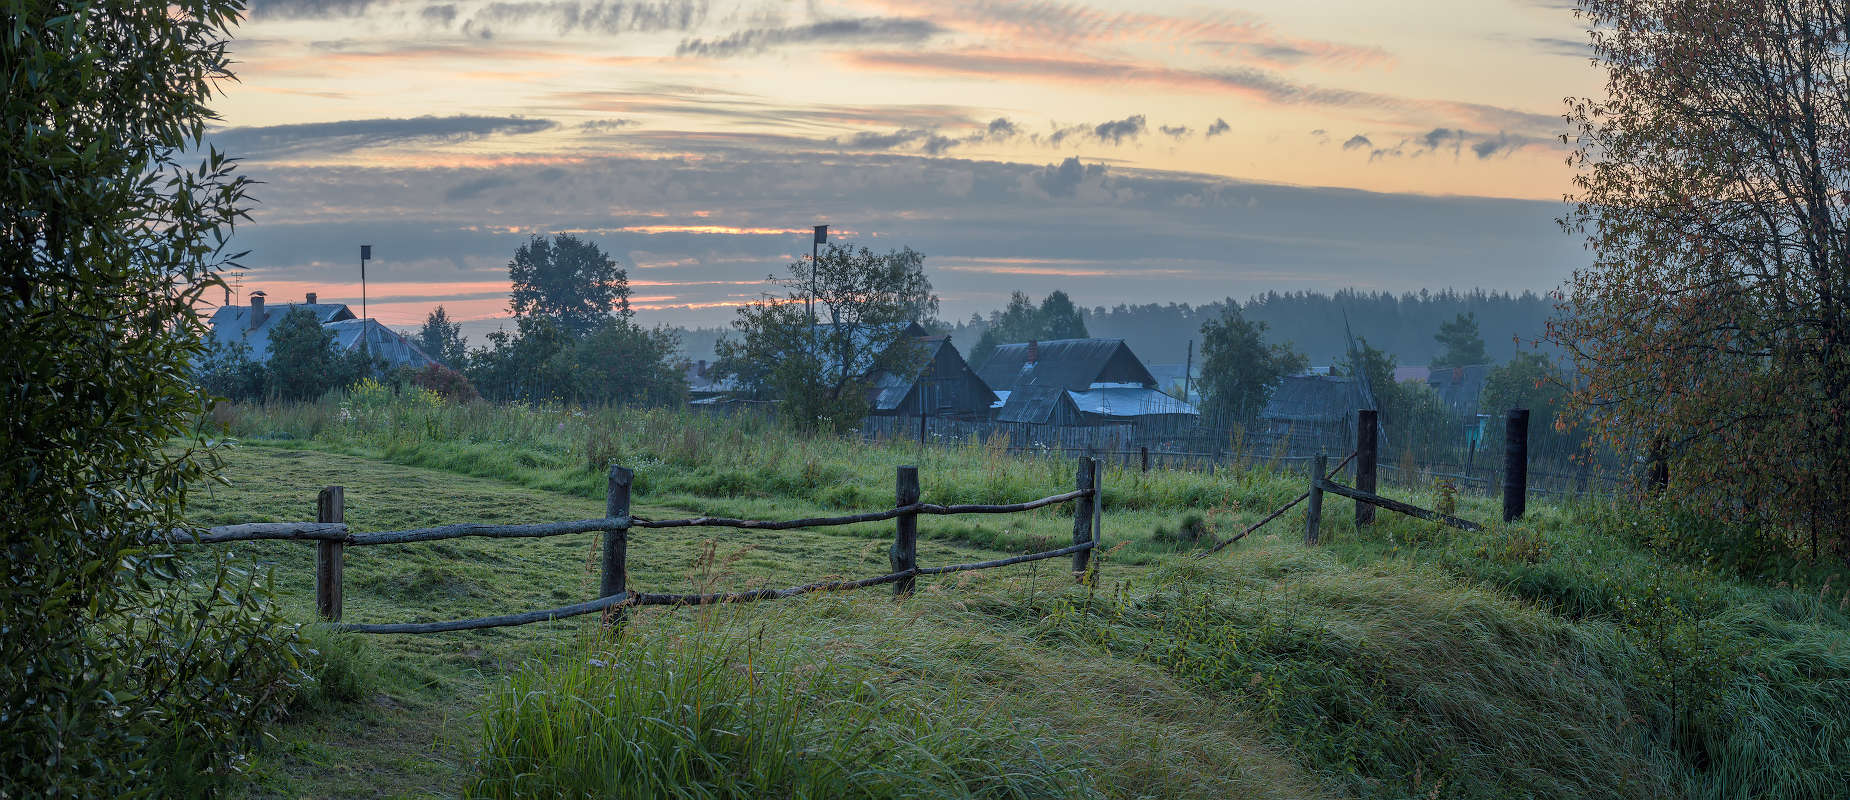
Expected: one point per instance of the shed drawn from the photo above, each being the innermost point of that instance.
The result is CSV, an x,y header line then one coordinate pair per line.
x,y
1312,412
942,385
1039,405
1459,388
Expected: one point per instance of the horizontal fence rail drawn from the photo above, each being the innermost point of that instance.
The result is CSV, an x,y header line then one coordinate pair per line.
x,y
332,534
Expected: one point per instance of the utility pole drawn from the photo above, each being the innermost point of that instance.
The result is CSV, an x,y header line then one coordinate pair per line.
x,y
366,252
815,253
1188,370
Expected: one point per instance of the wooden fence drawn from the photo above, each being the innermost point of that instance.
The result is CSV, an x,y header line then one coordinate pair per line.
x,y
331,536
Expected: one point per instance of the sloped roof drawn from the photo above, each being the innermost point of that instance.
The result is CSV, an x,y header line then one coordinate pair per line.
x,y
1117,401
382,341
1459,387
1035,404
1314,399
861,336
891,389
233,324
1071,364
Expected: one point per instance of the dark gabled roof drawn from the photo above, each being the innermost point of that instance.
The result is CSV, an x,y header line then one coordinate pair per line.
x,y
1459,387
1071,364
890,389
1036,405
1313,399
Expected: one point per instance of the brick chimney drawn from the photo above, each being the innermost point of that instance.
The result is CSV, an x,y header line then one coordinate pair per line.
x,y
256,310
1034,351
311,298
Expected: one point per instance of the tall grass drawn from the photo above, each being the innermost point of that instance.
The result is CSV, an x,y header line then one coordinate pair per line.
x,y
695,710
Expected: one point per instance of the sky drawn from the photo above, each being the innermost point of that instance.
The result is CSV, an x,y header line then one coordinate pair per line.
x,y
1126,152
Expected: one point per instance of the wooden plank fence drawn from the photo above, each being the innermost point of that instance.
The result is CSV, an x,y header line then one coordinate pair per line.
x,y
331,536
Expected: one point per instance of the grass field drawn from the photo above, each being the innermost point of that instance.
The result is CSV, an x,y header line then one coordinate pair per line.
x,y
1563,656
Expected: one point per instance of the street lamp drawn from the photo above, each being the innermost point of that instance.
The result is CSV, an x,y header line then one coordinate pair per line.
x,y
815,251
366,252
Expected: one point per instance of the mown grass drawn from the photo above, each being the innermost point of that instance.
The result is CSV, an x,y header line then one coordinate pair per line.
x,y
1568,655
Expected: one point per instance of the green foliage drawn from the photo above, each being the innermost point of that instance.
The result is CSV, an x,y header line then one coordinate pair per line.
x,y
1021,321
1713,317
695,711
1462,345
447,383
569,281
615,361
120,674
305,363
818,349
1238,370
1532,381
442,339
227,370
1413,419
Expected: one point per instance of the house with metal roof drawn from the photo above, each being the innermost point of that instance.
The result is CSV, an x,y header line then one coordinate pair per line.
x,y
251,324
1080,382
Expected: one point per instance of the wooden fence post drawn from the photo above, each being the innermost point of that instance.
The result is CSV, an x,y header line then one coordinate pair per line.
x,y
617,542
1086,479
1144,454
1367,437
1313,514
330,557
905,555
1098,513
1659,477
1515,464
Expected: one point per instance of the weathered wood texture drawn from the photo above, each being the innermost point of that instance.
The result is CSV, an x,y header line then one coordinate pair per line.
x,y
905,554
1085,483
330,556
644,599
1276,513
1396,505
616,540
1515,464
1367,443
1313,513
851,519
259,531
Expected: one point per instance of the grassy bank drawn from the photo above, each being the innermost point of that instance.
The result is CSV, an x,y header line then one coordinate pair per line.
x,y
1563,656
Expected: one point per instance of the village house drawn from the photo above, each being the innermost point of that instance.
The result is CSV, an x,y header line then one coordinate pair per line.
x,y
251,324
1082,382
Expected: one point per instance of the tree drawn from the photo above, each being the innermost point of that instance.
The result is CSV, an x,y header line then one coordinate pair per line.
x,y
1238,370
1412,415
1462,346
568,280
227,370
1021,321
123,670
819,367
1533,382
1715,315
305,364
442,339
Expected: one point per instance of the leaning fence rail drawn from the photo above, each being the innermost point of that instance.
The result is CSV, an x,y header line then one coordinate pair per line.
x,y
331,535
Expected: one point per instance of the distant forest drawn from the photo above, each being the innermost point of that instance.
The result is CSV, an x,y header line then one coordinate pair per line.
x,y
1312,322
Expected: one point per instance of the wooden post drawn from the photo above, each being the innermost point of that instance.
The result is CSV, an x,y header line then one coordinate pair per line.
x,y
905,555
1084,512
921,425
1143,454
1367,437
330,557
1313,514
1659,479
1515,464
617,542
